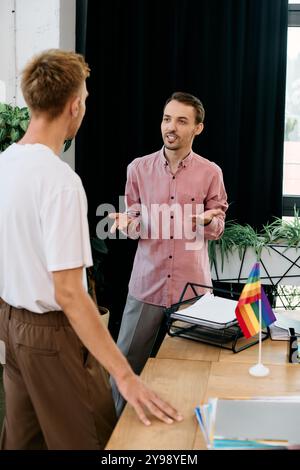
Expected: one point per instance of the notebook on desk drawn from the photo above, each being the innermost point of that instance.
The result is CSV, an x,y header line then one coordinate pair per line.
x,y
260,422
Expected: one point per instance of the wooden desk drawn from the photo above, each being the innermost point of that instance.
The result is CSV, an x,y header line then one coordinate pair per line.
x,y
187,372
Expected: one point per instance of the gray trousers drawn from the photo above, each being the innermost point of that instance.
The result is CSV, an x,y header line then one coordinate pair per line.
x,y
139,328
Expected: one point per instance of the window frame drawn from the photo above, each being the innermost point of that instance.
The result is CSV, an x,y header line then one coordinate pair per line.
x,y
294,14
290,201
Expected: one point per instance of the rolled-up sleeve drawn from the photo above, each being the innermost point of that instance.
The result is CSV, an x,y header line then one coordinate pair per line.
x,y
216,199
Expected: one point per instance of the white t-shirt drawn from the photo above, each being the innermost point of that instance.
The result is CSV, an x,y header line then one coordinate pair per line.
x,y
43,225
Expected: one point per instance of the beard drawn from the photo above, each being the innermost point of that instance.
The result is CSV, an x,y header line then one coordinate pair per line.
x,y
172,146
176,145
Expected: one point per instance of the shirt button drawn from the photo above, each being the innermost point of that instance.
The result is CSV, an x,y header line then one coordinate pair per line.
x,y
172,197
171,237
172,216
169,275
173,177
170,256
193,199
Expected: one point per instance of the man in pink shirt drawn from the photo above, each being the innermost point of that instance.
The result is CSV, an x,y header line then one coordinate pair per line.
x,y
176,202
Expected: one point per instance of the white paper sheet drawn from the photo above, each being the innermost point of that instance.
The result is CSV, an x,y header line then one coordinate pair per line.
x,y
209,308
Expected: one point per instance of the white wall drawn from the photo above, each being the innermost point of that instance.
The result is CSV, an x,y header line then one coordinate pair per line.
x,y
26,28
7,52
37,28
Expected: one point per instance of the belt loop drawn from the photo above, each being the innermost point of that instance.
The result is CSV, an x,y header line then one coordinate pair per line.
x,y
9,312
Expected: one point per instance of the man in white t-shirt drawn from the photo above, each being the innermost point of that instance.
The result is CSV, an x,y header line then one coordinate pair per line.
x,y
56,392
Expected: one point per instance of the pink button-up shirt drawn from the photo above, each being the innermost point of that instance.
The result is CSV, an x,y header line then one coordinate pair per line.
x,y
163,264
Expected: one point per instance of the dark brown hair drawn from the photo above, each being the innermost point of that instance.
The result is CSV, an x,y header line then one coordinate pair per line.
x,y
51,78
189,100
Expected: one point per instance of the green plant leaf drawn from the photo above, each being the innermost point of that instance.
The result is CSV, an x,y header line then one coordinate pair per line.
x,y
14,135
68,144
24,124
15,122
99,245
2,134
3,108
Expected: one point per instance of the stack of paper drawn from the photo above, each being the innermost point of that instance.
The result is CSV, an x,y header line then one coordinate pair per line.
x,y
277,333
285,319
209,310
261,422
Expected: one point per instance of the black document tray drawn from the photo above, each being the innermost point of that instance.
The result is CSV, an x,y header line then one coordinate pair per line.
x,y
227,335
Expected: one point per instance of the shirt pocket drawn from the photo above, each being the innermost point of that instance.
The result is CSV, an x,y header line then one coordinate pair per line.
x,y
189,197
191,203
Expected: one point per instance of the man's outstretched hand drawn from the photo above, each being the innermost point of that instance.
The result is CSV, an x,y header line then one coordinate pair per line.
x,y
121,221
144,400
206,217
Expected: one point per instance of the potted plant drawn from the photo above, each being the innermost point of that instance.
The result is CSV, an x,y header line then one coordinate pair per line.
x,y
13,124
276,246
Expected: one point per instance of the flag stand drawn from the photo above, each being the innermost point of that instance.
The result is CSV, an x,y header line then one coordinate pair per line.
x,y
259,370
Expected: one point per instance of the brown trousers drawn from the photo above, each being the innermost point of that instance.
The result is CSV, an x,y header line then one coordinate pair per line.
x,y
57,396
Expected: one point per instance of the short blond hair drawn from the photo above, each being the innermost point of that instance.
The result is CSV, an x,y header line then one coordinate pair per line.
x,y
51,78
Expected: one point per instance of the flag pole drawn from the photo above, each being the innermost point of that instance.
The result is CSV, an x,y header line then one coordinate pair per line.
x,y
259,370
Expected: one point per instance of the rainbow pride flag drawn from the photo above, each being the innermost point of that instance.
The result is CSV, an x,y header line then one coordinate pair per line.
x,y
247,309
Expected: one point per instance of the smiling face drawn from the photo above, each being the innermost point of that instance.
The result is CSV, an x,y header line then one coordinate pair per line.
x,y
179,126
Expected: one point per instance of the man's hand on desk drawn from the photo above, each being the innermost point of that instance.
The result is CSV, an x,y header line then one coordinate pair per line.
x,y
141,398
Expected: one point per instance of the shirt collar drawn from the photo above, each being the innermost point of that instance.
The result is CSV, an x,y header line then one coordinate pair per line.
x,y
185,162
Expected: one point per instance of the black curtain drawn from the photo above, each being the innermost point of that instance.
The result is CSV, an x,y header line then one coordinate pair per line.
x,y
229,53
